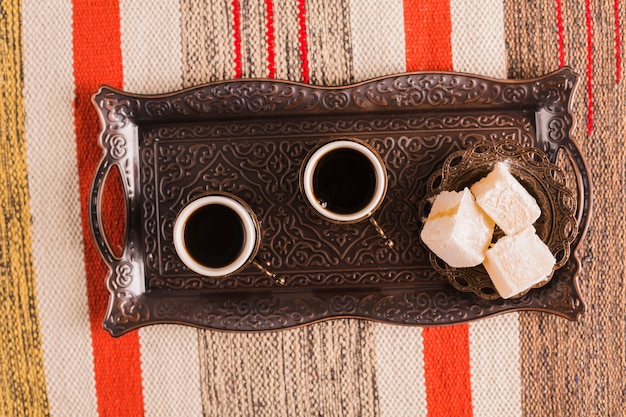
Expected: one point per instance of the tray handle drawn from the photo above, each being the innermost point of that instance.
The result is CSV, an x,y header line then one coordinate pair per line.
x,y
103,244
127,307
584,189
117,114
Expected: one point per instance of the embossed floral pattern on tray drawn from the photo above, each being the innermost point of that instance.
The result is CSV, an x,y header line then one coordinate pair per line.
x,y
248,137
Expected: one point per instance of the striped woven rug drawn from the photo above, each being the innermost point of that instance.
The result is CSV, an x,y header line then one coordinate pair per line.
x,y
55,359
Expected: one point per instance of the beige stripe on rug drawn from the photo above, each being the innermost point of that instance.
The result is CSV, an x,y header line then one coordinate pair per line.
x,y
329,42
152,58
288,60
207,38
322,369
253,37
55,208
532,49
575,53
577,368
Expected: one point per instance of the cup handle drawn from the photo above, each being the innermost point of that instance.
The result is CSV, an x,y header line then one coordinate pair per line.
x,y
279,279
388,242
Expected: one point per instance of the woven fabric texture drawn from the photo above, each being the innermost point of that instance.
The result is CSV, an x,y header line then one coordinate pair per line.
x,y
583,360
55,358
22,384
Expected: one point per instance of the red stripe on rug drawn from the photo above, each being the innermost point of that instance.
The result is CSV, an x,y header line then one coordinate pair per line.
x,y
269,33
559,28
588,24
302,38
98,60
237,37
427,28
618,44
447,371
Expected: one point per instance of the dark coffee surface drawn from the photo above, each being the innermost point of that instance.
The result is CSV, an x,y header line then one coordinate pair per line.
x,y
214,236
344,181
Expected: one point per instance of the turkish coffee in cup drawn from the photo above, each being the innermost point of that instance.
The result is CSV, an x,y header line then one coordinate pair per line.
x,y
216,235
345,181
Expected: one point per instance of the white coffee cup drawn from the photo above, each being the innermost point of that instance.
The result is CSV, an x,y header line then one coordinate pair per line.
x,y
216,235
345,181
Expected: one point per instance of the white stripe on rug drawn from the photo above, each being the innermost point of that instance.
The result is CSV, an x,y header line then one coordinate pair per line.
x,y
478,37
152,58
495,366
55,208
151,46
377,38
378,48
478,47
400,371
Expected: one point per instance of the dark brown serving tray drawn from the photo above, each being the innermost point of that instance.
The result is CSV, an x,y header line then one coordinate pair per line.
x,y
249,137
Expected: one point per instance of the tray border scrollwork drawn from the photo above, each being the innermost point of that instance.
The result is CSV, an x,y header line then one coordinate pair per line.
x,y
547,99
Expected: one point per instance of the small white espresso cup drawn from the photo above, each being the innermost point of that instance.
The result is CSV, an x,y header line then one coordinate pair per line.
x,y
345,181
216,235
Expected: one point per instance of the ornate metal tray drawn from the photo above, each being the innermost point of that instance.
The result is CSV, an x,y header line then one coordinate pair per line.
x,y
249,137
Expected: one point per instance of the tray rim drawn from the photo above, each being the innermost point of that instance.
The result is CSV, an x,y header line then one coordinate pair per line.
x,y
127,309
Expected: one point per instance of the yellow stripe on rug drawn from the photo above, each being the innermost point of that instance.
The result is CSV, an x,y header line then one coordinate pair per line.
x,y
22,380
56,232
